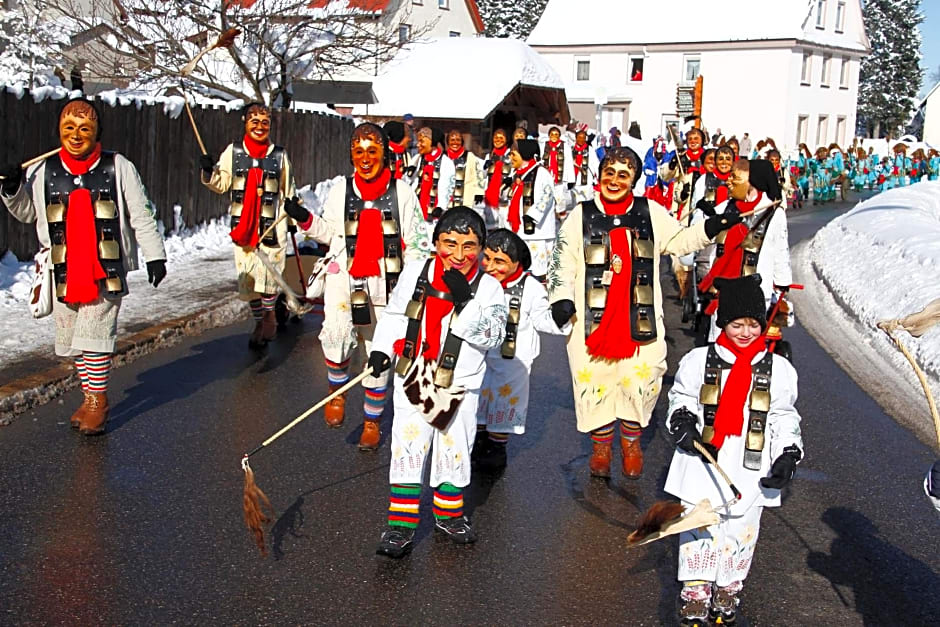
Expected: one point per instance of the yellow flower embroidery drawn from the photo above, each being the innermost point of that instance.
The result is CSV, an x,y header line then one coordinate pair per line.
x,y
748,536
410,432
601,390
625,382
342,307
505,390
643,371
398,452
514,400
584,375
448,441
457,458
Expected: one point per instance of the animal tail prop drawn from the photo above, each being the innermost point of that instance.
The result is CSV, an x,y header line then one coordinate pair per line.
x,y
294,303
254,501
225,40
917,324
665,519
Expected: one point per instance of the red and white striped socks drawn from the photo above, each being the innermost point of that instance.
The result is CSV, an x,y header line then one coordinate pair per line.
x,y
94,371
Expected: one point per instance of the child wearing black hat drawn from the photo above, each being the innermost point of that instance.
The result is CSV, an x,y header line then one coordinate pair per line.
x,y
531,212
738,400
504,396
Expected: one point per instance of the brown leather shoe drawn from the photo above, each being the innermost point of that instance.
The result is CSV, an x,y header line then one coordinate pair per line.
x,y
369,440
335,411
600,459
76,420
268,325
256,341
96,416
632,458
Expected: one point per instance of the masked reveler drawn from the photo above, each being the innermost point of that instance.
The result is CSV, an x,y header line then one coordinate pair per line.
x,y
583,161
434,181
504,399
399,158
373,225
92,212
498,180
531,204
441,319
758,245
555,161
468,172
258,175
605,273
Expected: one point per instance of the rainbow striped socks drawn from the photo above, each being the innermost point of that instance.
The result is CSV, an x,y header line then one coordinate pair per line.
x,y
257,309
337,373
630,430
448,501
403,505
374,403
603,435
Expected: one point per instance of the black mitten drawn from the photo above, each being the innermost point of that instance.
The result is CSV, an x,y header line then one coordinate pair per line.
x,y
721,222
207,163
12,175
156,270
783,469
683,425
562,311
378,362
706,206
437,213
458,286
295,210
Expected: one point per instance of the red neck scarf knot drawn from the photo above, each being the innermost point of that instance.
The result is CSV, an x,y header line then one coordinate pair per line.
x,y
512,277
83,269
455,154
729,419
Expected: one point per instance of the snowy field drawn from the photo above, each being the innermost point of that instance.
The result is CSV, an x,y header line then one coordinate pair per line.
x,y
880,261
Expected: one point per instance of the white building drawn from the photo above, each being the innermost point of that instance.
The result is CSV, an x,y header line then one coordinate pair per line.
x,y
787,69
929,108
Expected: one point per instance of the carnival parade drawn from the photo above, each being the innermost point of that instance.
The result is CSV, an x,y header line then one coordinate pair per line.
x,y
473,349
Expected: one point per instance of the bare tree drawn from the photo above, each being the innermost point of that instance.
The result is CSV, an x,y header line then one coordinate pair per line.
x,y
145,43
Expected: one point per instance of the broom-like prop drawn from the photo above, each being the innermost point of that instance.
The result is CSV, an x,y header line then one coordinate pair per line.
x,y
254,501
294,304
665,518
917,324
36,160
225,40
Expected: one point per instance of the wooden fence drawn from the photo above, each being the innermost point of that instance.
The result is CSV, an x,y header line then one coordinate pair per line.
x,y
166,154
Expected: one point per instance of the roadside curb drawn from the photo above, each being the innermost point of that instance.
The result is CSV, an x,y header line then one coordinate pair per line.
x,y
36,389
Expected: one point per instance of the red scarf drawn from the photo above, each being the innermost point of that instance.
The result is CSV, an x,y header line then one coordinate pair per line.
x,y
579,155
552,149
496,181
246,232
83,269
435,310
729,419
398,166
369,236
515,200
612,339
454,155
512,277
427,181
696,155
729,264
721,194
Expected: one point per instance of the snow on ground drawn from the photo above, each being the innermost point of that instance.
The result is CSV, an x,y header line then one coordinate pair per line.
x,y
200,271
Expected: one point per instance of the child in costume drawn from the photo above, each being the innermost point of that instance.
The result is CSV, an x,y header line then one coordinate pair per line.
x,y
441,319
738,400
504,398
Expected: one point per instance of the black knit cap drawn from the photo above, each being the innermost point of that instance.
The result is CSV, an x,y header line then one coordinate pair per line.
x,y
527,148
395,130
762,177
740,298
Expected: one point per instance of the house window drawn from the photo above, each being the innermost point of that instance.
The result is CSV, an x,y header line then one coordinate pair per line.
x,y
820,13
844,74
443,4
802,128
840,16
583,69
826,70
840,130
822,130
693,67
636,69
404,33
453,33
807,73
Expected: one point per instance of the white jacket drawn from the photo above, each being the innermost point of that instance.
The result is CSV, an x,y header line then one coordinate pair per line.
x,y
445,181
535,316
692,479
543,207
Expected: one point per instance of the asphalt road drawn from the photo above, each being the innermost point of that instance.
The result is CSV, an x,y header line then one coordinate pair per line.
x,y
144,525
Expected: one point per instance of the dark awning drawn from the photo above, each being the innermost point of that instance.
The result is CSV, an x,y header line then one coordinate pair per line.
x,y
333,92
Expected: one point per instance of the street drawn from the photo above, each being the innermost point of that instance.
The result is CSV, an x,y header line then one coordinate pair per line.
x,y
144,525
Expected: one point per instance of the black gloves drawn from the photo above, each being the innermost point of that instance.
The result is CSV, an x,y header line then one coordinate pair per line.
x,y
207,163
487,164
295,210
590,138
458,286
12,175
705,206
507,181
781,472
437,213
722,222
156,270
378,362
685,193
478,199
683,425
528,225
562,311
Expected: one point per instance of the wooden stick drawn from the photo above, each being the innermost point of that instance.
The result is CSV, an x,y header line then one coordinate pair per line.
x,y
352,383
921,377
711,460
36,160
268,230
192,121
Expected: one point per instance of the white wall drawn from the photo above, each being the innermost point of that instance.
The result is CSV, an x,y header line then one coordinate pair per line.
x,y
455,18
932,119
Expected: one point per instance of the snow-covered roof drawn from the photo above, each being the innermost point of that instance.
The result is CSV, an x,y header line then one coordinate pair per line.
x,y
600,22
429,81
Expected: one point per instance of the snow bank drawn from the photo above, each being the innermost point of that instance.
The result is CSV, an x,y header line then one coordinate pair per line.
x,y
880,260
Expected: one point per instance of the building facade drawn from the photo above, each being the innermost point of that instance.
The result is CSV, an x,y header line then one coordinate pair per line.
x,y
787,70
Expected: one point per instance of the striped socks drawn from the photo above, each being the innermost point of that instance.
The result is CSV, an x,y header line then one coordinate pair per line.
x,y
630,430
337,373
82,374
256,309
374,403
603,435
448,501
403,505
98,371
267,301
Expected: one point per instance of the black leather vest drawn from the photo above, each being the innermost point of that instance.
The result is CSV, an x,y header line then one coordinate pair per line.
x,y
387,203
269,187
460,167
560,151
505,171
582,173
101,182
